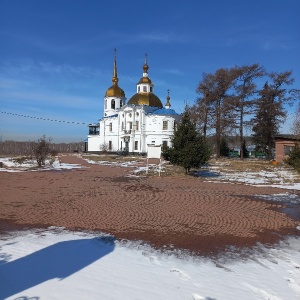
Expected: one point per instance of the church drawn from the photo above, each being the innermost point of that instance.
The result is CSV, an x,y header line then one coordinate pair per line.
x,y
131,126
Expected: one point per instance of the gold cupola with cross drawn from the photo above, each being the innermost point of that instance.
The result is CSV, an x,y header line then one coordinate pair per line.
x,y
145,95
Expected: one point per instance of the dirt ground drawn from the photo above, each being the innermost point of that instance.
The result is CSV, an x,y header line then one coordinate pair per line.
x,y
167,212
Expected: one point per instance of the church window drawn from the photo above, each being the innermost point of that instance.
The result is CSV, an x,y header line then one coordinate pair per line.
x,y
136,145
165,125
130,125
137,125
139,89
144,89
109,145
121,104
130,115
105,104
113,104
151,89
137,114
110,126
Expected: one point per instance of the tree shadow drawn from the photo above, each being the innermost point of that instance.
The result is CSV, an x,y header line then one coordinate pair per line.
x,y
56,261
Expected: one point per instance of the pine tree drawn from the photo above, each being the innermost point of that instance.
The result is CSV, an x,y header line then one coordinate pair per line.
x,y
270,112
245,150
188,149
224,149
294,158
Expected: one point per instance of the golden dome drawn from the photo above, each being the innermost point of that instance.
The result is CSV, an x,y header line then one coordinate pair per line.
x,y
145,99
145,80
115,91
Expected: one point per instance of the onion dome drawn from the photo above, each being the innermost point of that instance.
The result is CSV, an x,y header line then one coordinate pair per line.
x,y
145,99
145,95
115,90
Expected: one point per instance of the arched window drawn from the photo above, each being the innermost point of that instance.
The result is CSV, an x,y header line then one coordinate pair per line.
x,y
121,104
113,104
105,104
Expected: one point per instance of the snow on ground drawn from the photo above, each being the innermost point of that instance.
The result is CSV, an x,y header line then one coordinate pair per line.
x,y
277,176
58,264
11,165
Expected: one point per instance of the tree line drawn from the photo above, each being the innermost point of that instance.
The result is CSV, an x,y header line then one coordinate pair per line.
x,y
243,97
26,148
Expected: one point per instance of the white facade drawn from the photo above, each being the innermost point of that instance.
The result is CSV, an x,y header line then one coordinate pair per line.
x,y
131,127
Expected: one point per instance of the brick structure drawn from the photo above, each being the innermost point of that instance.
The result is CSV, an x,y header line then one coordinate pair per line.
x,y
283,145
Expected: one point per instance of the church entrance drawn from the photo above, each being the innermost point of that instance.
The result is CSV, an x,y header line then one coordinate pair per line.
x,y
127,146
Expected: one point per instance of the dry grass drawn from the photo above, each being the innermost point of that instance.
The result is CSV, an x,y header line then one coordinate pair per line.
x,y
111,158
246,165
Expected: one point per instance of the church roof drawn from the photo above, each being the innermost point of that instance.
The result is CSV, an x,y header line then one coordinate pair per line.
x,y
164,111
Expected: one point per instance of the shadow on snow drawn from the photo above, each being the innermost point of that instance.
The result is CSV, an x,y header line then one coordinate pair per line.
x,y
56,261
205,173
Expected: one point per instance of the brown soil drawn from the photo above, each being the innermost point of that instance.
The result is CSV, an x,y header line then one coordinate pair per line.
x,y
182,212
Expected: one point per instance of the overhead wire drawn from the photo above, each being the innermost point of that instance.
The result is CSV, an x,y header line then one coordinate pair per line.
x,y
43,119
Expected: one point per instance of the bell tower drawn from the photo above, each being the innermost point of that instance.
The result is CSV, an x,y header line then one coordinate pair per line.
x,y
114,97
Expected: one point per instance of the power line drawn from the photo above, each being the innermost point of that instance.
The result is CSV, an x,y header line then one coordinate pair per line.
x,y
43,119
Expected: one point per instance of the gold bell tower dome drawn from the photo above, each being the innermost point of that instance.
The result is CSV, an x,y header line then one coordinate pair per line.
x,y
114,96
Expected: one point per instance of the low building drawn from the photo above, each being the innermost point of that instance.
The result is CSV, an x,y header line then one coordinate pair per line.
x,y
283,145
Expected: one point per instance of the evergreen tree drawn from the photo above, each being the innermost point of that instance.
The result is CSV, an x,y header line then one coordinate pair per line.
x,y
245,151
188,149
294,158
224,149
270,112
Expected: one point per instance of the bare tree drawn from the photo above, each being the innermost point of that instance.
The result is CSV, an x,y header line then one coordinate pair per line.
x,y
41,150
214,90
104,147
243,101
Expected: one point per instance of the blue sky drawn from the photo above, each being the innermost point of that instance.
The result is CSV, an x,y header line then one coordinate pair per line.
x,y
56,57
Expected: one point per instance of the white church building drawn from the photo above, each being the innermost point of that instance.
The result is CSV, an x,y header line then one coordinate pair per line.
x,y
132,126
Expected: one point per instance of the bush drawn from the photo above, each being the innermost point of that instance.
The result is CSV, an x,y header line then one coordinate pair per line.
x,y
41,150
294,158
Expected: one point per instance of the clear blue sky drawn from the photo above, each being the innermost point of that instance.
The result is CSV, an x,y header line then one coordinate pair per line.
x,y
56,57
